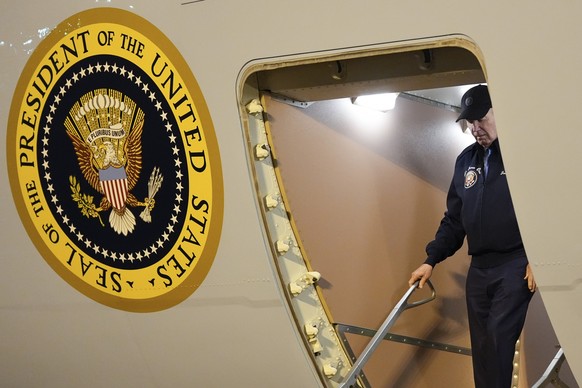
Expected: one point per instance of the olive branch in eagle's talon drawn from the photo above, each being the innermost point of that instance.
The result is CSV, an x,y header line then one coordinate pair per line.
x,y
84,201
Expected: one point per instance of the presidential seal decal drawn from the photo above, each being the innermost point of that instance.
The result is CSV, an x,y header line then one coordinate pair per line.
x,y
470,178
114,164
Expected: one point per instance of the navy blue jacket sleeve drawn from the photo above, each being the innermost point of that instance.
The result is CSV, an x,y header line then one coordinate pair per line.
x,y
451,233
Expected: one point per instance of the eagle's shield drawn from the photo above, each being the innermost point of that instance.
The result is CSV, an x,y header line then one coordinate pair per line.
x,y
113,182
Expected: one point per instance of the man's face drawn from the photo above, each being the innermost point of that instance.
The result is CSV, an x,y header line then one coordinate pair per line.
x,y
484,129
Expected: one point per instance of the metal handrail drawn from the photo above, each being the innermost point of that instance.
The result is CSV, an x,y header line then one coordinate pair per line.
x,y
551,375
402,305
342,329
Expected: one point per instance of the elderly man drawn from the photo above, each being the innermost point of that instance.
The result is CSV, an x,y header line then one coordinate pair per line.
x,y
499,283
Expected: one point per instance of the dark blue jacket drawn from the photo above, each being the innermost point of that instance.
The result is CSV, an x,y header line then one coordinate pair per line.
x,y
480,209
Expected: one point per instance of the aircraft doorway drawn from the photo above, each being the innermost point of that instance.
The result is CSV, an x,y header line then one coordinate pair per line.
x,y
364,192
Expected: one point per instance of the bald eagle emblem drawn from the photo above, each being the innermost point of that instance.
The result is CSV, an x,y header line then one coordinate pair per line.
x,y
470,178
106,128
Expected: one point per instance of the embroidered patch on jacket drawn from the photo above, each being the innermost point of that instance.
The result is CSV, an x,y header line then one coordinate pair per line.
x,y
470,178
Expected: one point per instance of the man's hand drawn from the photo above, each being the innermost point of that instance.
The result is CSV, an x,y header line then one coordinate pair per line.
x,y
531,282
422,273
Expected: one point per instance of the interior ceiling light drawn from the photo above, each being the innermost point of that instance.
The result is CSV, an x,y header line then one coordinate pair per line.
x,y
382,102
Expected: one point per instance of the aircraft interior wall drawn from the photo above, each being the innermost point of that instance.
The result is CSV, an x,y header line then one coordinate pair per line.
x,y
367,190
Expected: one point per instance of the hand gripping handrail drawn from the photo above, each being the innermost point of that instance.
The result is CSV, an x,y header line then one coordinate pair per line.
x,y
402,305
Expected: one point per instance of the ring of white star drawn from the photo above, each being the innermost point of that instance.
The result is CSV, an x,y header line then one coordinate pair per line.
x,y
165,237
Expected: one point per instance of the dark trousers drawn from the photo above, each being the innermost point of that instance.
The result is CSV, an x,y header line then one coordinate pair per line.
x,y
497,301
